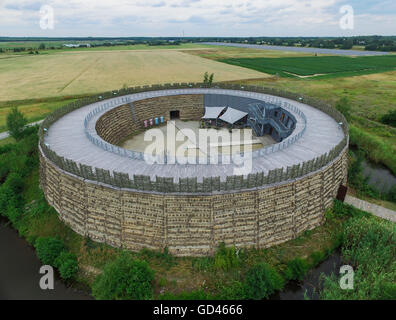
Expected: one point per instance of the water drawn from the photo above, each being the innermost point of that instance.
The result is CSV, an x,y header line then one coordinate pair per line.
x,y
312,283
378,176
19,271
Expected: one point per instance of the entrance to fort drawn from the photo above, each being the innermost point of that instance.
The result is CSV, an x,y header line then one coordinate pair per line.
x,y
175,114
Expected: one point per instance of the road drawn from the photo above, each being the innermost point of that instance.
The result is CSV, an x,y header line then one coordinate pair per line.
x,y
4,135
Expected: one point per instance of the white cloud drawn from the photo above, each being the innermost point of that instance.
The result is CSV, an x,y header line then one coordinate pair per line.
x,y
169,17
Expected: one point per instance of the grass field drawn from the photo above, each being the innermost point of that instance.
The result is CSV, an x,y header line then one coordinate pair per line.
x,y
324,66
71,73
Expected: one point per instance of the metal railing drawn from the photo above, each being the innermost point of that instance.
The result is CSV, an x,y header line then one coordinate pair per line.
x,y
163,158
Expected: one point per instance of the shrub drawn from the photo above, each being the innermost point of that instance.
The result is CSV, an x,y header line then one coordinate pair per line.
x,y
11,193
389,118
261,281
13,214
67,264
48,249
296,269
124,279
226,258
16,122
235,291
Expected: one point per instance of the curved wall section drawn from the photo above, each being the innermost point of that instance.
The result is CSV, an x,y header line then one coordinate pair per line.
x,y
192,224
126,120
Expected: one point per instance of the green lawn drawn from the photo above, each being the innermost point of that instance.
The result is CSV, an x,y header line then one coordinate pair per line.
x,y
320,66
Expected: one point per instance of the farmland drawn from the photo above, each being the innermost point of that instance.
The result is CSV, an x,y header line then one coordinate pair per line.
x,y
324,66
83,72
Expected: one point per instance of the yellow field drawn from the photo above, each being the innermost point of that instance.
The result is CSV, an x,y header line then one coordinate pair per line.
x,y
71,73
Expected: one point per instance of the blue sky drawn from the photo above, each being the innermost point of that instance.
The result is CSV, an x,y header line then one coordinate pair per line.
x,y
197,18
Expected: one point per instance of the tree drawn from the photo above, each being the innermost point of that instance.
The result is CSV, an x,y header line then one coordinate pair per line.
x,y
41,46
208,79
124,279
16,122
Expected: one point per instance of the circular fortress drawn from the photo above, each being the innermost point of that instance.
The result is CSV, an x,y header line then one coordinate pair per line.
x,y
130,199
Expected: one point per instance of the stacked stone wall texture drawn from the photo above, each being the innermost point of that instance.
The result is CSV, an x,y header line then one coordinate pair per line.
x,y
192,224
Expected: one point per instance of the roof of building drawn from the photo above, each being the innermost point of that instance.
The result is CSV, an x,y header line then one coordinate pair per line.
x,y
212,112
233,115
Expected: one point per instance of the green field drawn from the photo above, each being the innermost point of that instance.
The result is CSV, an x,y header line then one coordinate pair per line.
x,y
317,66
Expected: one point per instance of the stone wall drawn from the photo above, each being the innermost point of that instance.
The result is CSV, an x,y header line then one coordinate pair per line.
x,y
192,224
121,122
116,124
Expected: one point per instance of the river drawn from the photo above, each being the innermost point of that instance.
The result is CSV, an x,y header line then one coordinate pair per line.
x,y
378,176
19,271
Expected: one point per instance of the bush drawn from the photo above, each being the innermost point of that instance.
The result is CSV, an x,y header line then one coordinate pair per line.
x,y
296,269
67,264
389,118
48,249
11,193
124,279
235,291
16,122
226,258
261,281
